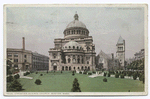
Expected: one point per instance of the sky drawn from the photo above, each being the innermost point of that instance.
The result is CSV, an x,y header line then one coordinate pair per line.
x,y
41,25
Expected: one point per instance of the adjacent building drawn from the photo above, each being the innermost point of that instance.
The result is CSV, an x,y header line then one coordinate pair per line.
x,y
75,51
27,60
139,55
108,61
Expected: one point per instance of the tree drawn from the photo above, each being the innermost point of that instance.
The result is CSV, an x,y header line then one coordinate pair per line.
x,y
15,86
76,87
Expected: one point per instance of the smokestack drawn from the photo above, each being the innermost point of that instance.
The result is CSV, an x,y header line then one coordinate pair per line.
x,y
23,43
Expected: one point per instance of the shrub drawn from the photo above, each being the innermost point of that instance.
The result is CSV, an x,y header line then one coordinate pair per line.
x,y
61,71
84,72
15,86
36,72
38,81
104,80
116,75
94,72
72,74
27,73
24,74
129,73
75,85
105,74
108,74
122,76
134,76
17,76
89,73
80,72
10,78
41,74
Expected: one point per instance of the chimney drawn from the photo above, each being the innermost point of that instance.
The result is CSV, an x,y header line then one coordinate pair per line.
x,y
23,43
112,56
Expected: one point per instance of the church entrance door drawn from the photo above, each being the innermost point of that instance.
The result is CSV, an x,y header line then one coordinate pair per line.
x,y
55,68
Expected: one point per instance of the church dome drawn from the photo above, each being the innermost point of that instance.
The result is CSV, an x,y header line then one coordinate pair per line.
x,y
72,45
76,29
76,23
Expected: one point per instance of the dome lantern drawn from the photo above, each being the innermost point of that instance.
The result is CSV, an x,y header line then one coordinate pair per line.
x,y
76,16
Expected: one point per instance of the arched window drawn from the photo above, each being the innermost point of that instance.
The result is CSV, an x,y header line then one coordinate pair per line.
x,y
74,31
69,67
87,62
73,47
74,68
88,68
78,68
77,47
78,60
79,31
62,67
68,60
82,67
69,47
66,67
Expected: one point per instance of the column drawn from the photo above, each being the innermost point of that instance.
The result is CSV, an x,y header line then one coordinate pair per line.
x,y
71,58
76,56
80,59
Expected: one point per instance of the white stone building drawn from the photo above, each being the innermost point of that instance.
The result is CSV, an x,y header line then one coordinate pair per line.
x,y
75,51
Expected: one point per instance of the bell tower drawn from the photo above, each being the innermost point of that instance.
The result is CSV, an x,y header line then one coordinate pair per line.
x,y
120,54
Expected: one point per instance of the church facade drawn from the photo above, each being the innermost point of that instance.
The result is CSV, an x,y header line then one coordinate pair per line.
x,y
108,61
75,51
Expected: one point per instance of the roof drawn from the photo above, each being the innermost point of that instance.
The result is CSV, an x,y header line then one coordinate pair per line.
x,y
120,40
104,55
76,23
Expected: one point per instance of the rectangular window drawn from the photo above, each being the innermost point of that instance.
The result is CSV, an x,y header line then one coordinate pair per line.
x,y
25,60
25,56
15,55
9,55
15,65
15,60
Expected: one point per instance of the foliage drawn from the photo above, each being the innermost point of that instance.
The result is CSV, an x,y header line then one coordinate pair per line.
x,y
116,75
15,86
17,76
41,74
61,71
122,76
36,72
136,65
104,80
10,78
94,72
85,72
27,73
75,86
89,73
135,76
105,74
141,77
80,72
108,74
38,81
129,73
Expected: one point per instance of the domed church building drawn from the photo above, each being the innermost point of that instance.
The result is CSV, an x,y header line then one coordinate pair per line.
x,y
75,51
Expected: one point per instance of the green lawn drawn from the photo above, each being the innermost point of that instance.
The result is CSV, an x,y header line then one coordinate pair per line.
x,y
57,82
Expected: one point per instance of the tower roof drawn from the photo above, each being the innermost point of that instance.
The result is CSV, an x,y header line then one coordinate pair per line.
x,y
120,40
